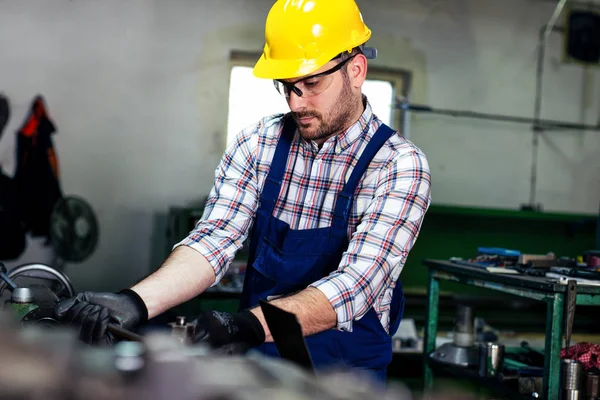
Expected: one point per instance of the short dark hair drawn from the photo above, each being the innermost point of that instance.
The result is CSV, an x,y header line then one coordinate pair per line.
x,y
346,55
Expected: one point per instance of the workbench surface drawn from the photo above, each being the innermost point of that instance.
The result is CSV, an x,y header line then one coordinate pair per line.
x,y
545,284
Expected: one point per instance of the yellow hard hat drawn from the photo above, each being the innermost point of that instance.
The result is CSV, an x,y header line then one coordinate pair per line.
x,y
303,35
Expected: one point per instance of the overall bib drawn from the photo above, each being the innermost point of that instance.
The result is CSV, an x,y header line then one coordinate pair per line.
x,y
283,261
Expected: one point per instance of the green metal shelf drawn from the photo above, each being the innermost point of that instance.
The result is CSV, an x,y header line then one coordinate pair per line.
x,y
510,214
537,288
496,384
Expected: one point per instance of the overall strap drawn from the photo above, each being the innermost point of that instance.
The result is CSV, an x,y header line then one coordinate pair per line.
x,y
344,199
272,185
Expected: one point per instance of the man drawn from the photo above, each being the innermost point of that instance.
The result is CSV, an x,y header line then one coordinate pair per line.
x,y
330,198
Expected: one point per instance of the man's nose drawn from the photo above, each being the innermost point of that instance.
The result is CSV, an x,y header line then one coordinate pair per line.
x,y
296,102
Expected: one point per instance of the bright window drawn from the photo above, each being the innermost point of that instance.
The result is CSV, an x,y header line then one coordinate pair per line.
x,y
252,98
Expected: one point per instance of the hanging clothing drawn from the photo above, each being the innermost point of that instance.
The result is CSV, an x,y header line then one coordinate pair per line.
x,y
12,230
37,174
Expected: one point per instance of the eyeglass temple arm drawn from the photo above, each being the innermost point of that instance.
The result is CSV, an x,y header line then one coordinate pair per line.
x,y
369,52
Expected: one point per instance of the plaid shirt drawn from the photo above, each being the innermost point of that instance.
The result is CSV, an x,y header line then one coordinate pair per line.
x,y
388,208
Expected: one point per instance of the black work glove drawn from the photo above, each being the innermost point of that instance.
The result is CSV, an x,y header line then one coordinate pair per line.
x,y
91,313
229,333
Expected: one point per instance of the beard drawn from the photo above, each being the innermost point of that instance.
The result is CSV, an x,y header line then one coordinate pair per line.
x,y
324,126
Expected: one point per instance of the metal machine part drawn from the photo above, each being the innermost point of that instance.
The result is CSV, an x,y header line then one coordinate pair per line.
x,y
464,326
461,352
34,303
537,260
182,330
449,353
572,379
156,366
531,386
491,359
39,272
162,368
22,295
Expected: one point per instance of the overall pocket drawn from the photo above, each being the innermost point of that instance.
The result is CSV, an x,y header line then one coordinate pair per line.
x,y
286,272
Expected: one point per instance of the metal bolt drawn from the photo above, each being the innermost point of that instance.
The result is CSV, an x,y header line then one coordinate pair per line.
x,y
22,295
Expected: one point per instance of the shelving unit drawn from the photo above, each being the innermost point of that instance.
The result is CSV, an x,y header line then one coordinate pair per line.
x,y
538,288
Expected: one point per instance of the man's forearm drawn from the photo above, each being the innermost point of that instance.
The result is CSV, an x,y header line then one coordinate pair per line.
x,y
311,307
184,275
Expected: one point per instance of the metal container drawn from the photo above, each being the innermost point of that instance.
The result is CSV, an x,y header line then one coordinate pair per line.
x,y
491,359
592,387
571,372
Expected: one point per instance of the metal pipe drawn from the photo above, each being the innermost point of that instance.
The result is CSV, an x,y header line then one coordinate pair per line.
x,y
537,129
557,10
537,115
544,123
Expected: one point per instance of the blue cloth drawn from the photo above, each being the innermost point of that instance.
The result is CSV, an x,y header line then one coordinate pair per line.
x,y
284,261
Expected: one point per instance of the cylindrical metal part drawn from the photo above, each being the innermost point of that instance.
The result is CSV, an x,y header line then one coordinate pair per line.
x,y
130,357
464,326
592,386
22,295
571,375
180,321
491,359
572,395
482,359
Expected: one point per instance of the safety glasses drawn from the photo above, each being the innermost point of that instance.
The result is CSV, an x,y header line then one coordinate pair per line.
x,y
311,85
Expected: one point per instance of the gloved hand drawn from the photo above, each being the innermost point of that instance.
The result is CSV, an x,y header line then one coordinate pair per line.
x,y
229,332
91,312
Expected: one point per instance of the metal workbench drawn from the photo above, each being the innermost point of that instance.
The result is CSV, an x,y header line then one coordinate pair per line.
x,y
537,288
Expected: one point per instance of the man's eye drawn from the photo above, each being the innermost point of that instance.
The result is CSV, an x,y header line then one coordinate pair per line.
x,y
311,83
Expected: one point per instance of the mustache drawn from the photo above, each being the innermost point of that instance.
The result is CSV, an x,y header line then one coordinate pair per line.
x,y
305,114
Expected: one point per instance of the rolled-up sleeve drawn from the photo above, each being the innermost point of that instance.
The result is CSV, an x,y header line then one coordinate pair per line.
x,y
230,206
380,245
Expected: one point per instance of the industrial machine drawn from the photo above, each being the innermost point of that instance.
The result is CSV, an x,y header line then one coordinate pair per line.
x,y
34,300
51,364
48,361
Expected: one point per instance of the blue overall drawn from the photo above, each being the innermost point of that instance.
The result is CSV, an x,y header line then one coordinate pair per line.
x,y
283,261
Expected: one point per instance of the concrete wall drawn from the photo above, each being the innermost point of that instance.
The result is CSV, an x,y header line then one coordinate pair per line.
x,y
138,90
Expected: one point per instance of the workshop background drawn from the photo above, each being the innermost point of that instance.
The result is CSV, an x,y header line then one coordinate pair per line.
x,y
139,90
140,93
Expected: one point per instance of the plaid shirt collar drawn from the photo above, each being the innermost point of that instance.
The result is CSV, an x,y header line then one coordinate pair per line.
x,y
345,139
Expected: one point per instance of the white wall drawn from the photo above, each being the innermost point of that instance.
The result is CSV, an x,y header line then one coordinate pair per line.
x,y
138,90
481,56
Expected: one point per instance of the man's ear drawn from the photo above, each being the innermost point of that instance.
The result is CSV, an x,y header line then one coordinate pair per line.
x,y
357,70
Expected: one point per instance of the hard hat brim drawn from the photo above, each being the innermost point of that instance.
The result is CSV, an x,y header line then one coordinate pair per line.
x,y
288,69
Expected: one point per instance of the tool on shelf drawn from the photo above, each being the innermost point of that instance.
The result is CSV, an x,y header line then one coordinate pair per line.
x,y
570,302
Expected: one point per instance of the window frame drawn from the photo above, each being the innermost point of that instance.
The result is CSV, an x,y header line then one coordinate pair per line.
x,y
400,79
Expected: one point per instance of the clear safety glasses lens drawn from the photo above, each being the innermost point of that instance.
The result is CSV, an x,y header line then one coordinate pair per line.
x,y
308,87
